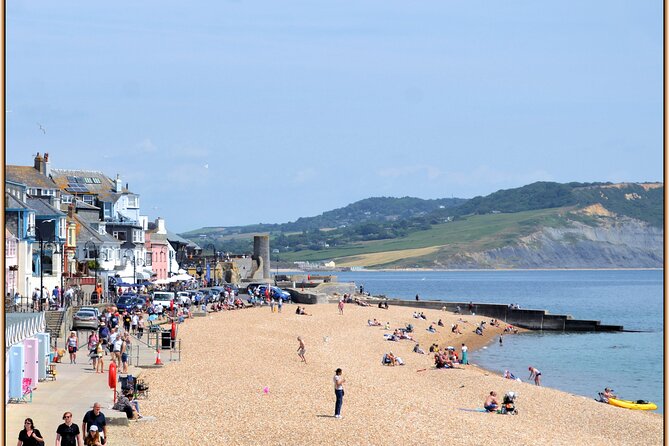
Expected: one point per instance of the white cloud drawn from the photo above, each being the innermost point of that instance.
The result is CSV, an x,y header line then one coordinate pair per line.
x,y
484,177
416,171
304,175
147,146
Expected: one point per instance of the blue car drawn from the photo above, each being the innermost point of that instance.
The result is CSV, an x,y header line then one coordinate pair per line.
x,y
275,292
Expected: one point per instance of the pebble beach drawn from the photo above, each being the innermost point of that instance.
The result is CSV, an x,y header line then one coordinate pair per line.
x,y
241,382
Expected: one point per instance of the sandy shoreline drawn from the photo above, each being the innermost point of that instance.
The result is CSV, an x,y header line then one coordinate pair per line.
x,y
215,394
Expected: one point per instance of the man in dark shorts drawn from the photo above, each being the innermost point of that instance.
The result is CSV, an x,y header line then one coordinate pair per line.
x,y
95,418
67,433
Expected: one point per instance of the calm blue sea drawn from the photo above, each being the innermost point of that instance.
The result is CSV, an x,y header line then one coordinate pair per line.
x,y
580,363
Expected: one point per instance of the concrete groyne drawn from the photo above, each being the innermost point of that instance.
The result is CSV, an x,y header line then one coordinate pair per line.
x,y
526,318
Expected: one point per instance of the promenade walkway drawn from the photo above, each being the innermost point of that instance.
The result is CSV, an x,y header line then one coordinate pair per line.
x,y
75,389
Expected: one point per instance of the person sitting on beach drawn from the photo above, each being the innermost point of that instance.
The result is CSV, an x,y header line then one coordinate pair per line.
x,y
441,361
479,331
389,359
509,375
434,348
417,349
385,305
440,323
455,328
431,329
416,315
409,328
387,326
457,309
124,405
422,316
303,313
491,402
606,394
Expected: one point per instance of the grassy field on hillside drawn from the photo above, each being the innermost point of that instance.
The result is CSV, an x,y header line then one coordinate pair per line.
x,y
473,233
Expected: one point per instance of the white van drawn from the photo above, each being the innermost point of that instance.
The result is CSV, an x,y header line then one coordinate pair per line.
x,y
163,297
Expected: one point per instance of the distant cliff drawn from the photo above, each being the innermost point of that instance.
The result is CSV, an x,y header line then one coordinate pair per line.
x,y
613,243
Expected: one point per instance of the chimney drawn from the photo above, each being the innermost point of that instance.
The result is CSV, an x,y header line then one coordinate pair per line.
x,y
39,163
118,186
70,210
47,165
160,226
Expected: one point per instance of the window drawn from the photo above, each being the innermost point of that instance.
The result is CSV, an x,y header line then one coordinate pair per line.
x,y
10,247
32,191
96,180
133,201
31,225
88,199
119,235
137,236
107,209
66,198
49,192
71,235
62,228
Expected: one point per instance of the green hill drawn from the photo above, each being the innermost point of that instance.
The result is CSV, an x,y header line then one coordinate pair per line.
x,y
472,233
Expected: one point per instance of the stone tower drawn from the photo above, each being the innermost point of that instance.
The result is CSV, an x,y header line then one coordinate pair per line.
x,y
261,253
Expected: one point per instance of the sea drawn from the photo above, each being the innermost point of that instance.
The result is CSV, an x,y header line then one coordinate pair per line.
x,y
631,363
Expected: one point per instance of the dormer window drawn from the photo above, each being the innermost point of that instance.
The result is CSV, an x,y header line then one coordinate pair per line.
x,y
133,201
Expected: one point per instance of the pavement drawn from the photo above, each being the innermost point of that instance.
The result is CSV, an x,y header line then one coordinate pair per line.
x,y
75,389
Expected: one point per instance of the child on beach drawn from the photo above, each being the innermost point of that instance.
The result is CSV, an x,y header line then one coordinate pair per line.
x,y
301,350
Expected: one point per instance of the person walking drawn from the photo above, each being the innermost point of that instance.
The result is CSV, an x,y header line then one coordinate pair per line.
x,y
301,350
279,303
339,392
93,341
341,306
72,344
95,418
68,433
29,436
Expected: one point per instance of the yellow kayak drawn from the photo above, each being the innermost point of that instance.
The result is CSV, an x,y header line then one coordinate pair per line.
x,y
634,405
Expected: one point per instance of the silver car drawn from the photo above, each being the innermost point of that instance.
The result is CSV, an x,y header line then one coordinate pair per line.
x,y
85,319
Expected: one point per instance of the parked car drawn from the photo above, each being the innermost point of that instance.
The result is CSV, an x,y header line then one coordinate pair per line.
x,y
163,297
183,297
95,310
124,296
275,292
85,319
128,302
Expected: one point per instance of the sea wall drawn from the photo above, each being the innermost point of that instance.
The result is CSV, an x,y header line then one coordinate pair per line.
x,y
526,318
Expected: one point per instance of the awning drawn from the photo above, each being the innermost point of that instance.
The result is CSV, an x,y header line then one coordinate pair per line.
x,y
143,275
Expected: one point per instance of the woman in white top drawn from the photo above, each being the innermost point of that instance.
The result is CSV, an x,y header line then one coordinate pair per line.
x,y
72,344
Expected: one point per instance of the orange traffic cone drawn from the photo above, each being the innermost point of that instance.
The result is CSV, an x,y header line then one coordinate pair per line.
x,y
158,361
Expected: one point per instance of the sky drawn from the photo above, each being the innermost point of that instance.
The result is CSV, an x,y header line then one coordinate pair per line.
x,y
224,113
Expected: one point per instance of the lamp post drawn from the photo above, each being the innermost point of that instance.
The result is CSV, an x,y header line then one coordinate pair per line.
x,y
134,265
60,250
41,262
213,256
97,253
